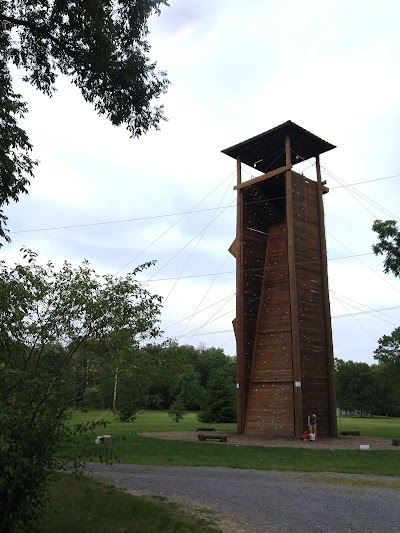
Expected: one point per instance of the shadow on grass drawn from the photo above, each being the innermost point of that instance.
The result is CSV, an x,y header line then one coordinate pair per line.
x,y
84,505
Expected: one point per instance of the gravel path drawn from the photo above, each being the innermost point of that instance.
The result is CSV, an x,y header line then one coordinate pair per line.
x,y
253,501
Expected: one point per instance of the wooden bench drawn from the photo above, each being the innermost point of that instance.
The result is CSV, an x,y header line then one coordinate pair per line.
x,y
396,442
205,436
349,433
205,429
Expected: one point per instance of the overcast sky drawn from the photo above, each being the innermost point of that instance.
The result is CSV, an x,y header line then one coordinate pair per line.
x,y
236,69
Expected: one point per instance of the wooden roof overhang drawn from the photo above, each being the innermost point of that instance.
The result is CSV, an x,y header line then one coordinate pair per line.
x,y
266,152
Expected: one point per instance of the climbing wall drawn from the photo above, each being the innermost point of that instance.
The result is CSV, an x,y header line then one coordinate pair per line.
x,y
284,349
268,315
255,241
270,407
312,325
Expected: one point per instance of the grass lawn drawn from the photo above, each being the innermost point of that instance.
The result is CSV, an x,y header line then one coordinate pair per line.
x,y
371,427
148,422
83,505
142,450
131,447
155,421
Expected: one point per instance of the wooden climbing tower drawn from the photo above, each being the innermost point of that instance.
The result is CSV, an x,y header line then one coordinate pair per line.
x,y
285,367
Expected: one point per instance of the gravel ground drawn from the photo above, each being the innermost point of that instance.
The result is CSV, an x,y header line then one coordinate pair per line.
x,y
252,501
340,443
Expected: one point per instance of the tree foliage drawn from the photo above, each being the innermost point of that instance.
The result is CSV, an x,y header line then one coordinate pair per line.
x,y
16,165
180,375
135,375
356,387
177,409
158,374
388,350
368,389
220,401
100,45
50,322
388,245
388,390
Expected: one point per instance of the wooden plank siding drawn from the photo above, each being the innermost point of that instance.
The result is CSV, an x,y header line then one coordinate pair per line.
x,y
284,348
270,407
313,358
255,239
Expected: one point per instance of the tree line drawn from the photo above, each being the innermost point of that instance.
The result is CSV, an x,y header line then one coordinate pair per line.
x,y
368,390
155,376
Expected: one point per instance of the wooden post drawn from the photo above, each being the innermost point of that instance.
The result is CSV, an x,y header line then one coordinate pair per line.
x,y
327,312
294,311
241,411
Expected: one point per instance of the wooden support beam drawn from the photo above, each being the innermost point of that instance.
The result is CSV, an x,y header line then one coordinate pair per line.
x,y
327,311
288,151
239,321
294,309
270,174
233,249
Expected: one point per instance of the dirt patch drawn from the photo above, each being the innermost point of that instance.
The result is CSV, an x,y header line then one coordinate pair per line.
x,y
339,443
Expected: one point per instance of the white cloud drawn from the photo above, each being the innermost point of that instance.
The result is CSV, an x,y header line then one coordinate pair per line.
x,y
237,69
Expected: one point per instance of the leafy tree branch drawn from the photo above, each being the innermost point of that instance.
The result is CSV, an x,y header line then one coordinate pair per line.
x,y
102,46
388,245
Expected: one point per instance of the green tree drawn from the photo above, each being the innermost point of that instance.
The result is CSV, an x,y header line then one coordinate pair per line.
x,y
209,359
47,319
177,409
101,45
178,376
388,351
183,371
136,371
356,387
388,390
388,245
220,402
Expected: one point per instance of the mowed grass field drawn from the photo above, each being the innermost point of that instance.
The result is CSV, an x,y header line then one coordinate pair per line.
x,y
131,447
159,421
148,422
371,427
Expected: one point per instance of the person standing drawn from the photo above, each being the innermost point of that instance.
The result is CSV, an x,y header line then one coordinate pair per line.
x,y
312,424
